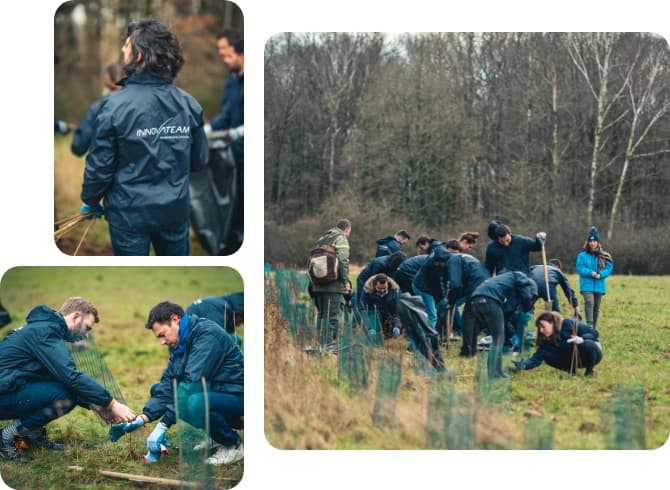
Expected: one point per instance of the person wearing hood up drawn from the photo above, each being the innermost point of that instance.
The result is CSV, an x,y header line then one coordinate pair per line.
x,y
39,381
593,265
392,243
227,311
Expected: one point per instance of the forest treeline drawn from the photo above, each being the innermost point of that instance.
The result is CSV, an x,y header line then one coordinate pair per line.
x,y
440,132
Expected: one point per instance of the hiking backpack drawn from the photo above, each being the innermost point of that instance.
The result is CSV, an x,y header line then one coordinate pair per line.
x,y
322,265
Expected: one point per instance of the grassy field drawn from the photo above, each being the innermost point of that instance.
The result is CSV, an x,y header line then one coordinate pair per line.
x,y
123,296
309,406
68,177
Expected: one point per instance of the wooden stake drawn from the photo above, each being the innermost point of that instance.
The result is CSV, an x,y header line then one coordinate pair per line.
x,y
151,479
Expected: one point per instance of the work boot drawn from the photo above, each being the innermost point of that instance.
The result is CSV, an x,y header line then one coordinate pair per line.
x,y
38,438
13,449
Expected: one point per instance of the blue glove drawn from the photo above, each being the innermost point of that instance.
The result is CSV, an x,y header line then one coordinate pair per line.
x,y
97,209
372,332
156,438
117,431
396,331
519,364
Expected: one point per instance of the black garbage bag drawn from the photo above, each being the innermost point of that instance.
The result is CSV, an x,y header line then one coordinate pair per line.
x,y
415,320
216,201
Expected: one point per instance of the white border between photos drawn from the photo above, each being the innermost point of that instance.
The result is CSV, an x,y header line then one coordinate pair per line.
x,y
26,203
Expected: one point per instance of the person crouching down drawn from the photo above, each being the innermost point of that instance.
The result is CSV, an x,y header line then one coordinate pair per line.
x,y
565,344
198,348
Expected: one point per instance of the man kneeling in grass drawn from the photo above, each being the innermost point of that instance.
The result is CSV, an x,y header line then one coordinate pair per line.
x,y
39,381
198,348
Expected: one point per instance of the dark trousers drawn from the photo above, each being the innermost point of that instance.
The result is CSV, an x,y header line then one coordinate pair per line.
x,y
590,354
165,242
225,414
488,314
37,404
330,307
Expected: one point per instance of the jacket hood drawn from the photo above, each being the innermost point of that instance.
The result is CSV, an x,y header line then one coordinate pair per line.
x,y
386,239
43,313
369,288
236,301
491,230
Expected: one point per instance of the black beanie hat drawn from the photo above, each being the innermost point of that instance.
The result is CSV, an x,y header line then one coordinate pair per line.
x,y
593,234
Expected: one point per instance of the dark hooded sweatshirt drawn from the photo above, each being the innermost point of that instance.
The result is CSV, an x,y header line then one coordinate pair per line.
x,y
37,352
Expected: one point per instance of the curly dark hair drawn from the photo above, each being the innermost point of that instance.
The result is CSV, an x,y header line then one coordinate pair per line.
x,y
159,49
162,312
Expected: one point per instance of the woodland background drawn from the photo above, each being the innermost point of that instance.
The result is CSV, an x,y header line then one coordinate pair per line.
x,y
441,132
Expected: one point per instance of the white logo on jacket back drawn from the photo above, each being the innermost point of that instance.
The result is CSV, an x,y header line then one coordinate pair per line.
x,y
165,132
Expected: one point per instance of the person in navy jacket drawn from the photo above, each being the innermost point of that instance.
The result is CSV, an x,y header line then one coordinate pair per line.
x,y
555,277
594,266
39,381
565,344
386,264
392,243
149,137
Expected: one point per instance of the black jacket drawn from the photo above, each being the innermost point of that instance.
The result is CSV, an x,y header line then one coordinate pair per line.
x,y
555,276
82,136
231,113
37,352
559,355
514,257
386,246
210,352
465,273
148,137
220,309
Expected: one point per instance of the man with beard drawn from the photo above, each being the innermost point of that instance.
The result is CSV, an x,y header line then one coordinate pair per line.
x,y
39,381
149,137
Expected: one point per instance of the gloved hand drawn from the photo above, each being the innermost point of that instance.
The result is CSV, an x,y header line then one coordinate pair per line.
x,y
236,133
97,209
519,365
574,301
395,331
156,438
153,456
372,332
117,431
576,339
61,126
208,129
542,236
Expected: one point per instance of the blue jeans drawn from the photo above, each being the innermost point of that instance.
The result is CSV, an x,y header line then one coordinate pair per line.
x,y
165,242
225,412
429,303
37,404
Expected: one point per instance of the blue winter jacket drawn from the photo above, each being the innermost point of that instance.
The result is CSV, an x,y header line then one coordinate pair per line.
x,y
587,263
514,257
82,136
210,352
231,113
510,289
220,309
149,137
37,352
465,273
386,246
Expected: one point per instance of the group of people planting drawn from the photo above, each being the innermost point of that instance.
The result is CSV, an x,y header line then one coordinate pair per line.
x,y
202,384
444,291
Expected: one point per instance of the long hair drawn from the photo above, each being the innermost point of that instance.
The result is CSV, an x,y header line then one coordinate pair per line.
x,y
159,49
554,318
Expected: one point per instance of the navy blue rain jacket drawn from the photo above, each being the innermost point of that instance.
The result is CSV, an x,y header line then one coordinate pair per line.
x,y
149,137
220,309
210,352
37,352
431,279
510,289
514,257
555,276
465,273
231,113
559,355
386,246
404,274
82,136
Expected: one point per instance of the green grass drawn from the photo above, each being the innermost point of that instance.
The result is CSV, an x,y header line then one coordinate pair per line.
x,y
635,333
123,296
68,178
